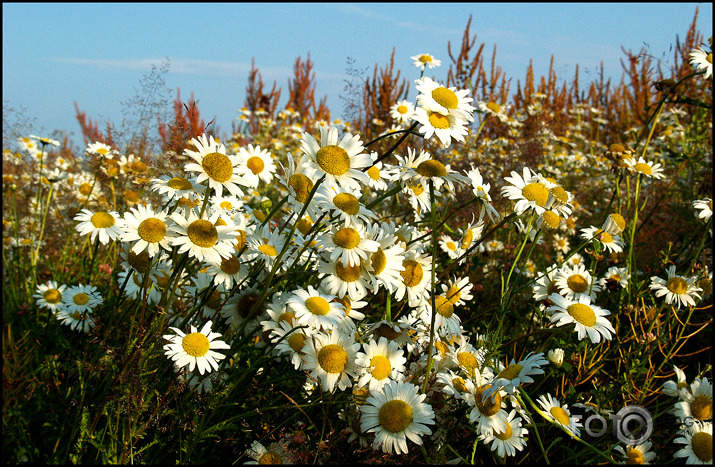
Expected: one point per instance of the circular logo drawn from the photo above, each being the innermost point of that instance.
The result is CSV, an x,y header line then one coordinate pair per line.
x,y
633,425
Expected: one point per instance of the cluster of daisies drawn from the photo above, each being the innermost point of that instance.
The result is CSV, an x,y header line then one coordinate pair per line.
x,y
315,277
693,411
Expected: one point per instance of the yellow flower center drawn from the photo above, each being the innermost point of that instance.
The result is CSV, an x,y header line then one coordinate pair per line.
x,y
287,317
102,220
179,183
348,273
445,97
302,186
560,194
270,458
431,168
560,415
85,189
616,148
459,385
709,57
304,225
619,221
468,362
702,444
52,296
467,238
77,316
334,160
378,261
268,250
583,314
381,367
202,233
490,406
677,285
441,347
317,306
333,358
218,166
702,407
536,192
230,265
577,283
296,341
438,121
643,168
139,262
374,173
81,298
444,306
347,203
551,219
195,344
506,434
226,205
402,109
347,238
256,164
417,189
510,372
152,230
634,456
241,238
395,415
494,107
425,58
453,294
413,273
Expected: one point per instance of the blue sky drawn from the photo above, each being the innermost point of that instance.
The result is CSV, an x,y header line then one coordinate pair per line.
x,y
95,54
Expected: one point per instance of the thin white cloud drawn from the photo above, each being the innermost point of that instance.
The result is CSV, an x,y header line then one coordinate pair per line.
x,y
198,67
410,25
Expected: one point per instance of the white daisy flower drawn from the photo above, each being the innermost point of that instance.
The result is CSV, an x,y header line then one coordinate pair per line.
x,y
516,374
202,237
196,349
49,295
340,161
425,60
698,441
416,277
698,402
105,225
433,97
147,229
481,191
507,442
576,281
214,165
615,276
702,60
678,290
528,190
648,168
396,413
345,204
379,362
705,206
176,187
445,127
330,359
611,243
316,309
587,317
677,388
81,298
255,165
341,279
560,414
402,111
